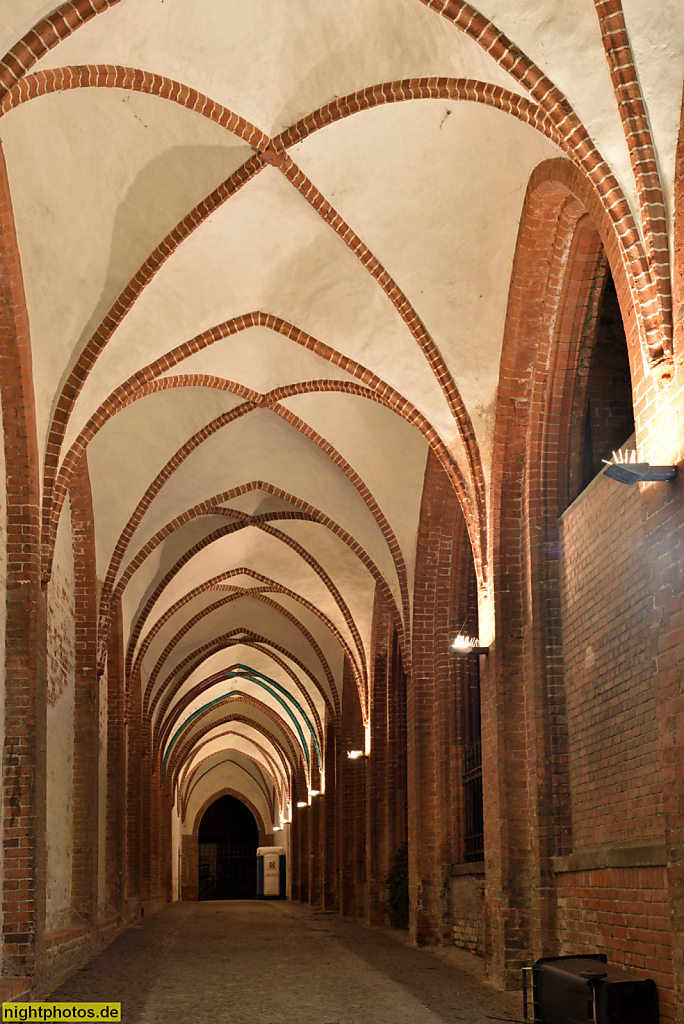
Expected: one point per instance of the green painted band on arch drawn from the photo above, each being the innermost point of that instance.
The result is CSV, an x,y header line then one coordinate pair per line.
x,y
259,680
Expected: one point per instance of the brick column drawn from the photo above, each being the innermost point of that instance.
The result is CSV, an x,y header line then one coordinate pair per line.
x,y
115,848
301,851
314,841
351,802
378,788
431,705
24,769
134,800
295,829
329,894
84,885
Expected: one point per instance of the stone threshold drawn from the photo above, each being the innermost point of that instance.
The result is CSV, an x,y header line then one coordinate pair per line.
x,y
62,935
643,855
109,922
14,990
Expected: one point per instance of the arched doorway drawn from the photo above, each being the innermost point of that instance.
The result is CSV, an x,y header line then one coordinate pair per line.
x,y
228,839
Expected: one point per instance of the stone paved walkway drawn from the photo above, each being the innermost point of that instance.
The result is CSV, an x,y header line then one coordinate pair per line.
x,y
281,963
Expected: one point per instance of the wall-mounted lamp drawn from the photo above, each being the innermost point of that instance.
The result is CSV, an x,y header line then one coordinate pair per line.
x,y
277,828
302,803
626,470
314,792
466,645
354,755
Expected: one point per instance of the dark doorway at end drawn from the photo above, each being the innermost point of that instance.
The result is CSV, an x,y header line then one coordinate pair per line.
x,y
228,841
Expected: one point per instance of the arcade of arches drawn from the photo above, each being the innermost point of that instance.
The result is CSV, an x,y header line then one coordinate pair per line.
x,y
317,322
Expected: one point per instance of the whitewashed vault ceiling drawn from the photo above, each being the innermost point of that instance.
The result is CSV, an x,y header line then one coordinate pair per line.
x,y
254,304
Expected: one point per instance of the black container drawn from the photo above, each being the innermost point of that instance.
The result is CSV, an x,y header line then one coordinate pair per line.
x,y
586,989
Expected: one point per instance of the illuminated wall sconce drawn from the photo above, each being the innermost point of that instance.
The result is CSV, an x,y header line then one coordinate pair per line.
x,y
626,470
466,645
277,828
354,755
314,792
302,803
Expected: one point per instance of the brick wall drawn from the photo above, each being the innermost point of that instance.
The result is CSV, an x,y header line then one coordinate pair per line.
x,y
3,617
625,913
466,899
102,799
607,614
610,632
386,824
621,911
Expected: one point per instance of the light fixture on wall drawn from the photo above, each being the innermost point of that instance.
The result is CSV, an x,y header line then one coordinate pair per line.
x,y
277,828
465,645
302,803
314,792
354,755
626,470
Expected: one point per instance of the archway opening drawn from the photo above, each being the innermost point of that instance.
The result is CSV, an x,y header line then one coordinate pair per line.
x,y
228,839
608,420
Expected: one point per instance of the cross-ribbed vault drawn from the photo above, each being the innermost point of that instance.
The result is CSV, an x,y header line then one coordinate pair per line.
x,y
266,251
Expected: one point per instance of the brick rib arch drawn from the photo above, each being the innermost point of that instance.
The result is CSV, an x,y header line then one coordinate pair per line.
x,y
209,585
325,578
118,311
225,641
359,671
290,761
262,781
225,419
649,298
208,507
229,638
122,305
547,113
182,751
282,766
190,664
551,184
140,386
114,76
631,106
233,597
312,435
274,586
465,89
220,643
45,35
418,330
166,726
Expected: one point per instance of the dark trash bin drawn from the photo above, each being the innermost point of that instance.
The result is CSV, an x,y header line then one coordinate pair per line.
x,y
587,989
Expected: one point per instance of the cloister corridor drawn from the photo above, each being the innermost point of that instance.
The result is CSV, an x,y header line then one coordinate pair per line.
x,y
250,962
341,505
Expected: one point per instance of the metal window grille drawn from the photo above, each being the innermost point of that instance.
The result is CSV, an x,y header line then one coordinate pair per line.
x,y
472,793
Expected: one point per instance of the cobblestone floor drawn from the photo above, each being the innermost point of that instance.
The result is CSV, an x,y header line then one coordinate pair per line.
x,y
248,962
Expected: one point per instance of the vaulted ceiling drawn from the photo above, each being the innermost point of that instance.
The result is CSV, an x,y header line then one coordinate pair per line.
x,y
267,249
